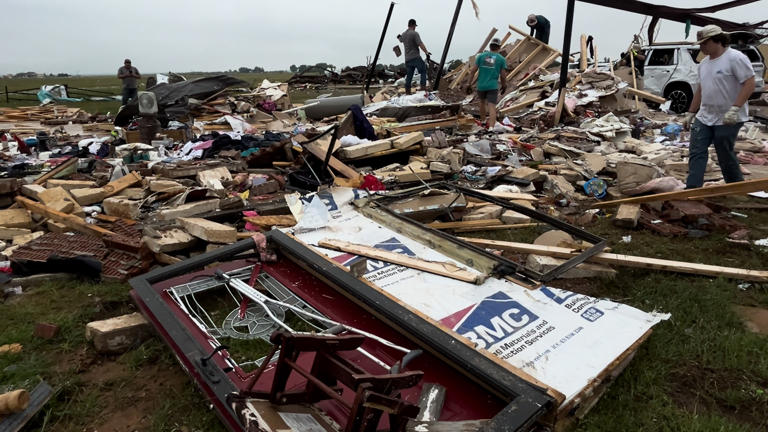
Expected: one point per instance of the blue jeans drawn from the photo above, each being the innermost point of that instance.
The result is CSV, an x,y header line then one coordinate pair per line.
x,y
412,65
128,94
724,138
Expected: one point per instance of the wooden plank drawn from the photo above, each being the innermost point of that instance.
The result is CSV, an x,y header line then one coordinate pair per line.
x,y
626,260
439,268
124,182
70,221
61,168
532,39
487,40
464,224
634,76
645,95
387,152
408,140
583,54
499,227
519,105
343,169
426,125
517,48
525,62
560,104
365,149
543,65
738,188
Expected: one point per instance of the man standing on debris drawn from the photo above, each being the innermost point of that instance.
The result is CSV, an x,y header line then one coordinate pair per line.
x,y
129,75
719,106
540,26
412,42
492,66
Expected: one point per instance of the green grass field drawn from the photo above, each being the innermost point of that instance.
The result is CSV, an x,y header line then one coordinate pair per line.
x,y
112,85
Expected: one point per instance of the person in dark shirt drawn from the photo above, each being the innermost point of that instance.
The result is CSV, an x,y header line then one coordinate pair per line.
x,y
412,42
540,26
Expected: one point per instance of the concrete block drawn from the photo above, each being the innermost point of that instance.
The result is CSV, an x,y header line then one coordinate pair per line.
x,y
627,215
32,190
15,218
187,210
119,334
170,241
121,207
88,196
209,231
26,238
164,185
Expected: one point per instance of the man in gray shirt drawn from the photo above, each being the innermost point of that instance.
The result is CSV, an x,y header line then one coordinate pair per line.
x,y
412,42
130,76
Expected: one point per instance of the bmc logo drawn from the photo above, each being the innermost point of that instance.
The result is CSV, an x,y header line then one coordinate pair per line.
x,y
327,198
494,319
392,245
559,299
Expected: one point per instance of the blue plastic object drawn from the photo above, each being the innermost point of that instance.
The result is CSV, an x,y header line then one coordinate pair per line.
x,y
596,187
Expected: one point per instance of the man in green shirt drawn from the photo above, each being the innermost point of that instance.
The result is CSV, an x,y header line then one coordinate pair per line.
x,y
492,66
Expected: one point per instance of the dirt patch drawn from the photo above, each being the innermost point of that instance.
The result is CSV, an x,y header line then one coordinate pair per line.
x,y
730,393
139,394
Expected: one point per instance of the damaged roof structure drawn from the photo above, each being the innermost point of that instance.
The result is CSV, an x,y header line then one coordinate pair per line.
x,y
326,266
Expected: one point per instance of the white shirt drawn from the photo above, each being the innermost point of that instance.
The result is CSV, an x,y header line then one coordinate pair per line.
x,y
721,80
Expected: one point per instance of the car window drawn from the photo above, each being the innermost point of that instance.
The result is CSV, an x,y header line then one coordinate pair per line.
x,y
662,57
695,54
752,54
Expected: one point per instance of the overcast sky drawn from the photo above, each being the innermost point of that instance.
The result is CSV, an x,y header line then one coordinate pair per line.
x,y
93,37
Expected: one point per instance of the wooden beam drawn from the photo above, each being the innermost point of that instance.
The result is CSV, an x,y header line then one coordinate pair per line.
x,y
464,224
626,260
645,95
543,65
487,40
316,149
71,221
440,268
54,172
559,107
269,221
124,182
498,227
583,54
634,76
738,188
525,62
519,105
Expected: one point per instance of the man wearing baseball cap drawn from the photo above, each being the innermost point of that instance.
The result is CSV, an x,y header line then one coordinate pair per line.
x,y
540,26
492,66
412,42
719,106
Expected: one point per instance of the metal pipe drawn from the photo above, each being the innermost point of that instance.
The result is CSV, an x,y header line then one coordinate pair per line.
x,y
447,45
564,58
372,70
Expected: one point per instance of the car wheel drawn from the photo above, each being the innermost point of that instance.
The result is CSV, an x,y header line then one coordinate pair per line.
x,y
681,98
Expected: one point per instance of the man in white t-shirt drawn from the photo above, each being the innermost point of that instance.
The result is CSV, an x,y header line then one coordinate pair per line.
x,y
719,106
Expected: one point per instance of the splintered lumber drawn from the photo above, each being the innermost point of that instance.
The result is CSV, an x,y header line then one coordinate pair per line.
x,y
625,260
71,221
270,221
446,269
645,95
738,188
123,182
583,54
319,152
520,105
480,223
59,170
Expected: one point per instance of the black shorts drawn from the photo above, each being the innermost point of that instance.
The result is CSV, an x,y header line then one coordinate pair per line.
x,y
491,96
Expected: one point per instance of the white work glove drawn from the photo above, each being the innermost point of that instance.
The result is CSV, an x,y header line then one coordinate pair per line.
x,y
688,120
731,116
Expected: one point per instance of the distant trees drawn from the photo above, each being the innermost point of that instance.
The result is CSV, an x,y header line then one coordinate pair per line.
x,y
303,68
453,64
256,69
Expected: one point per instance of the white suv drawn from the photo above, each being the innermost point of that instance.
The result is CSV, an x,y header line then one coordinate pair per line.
x,y
671,71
